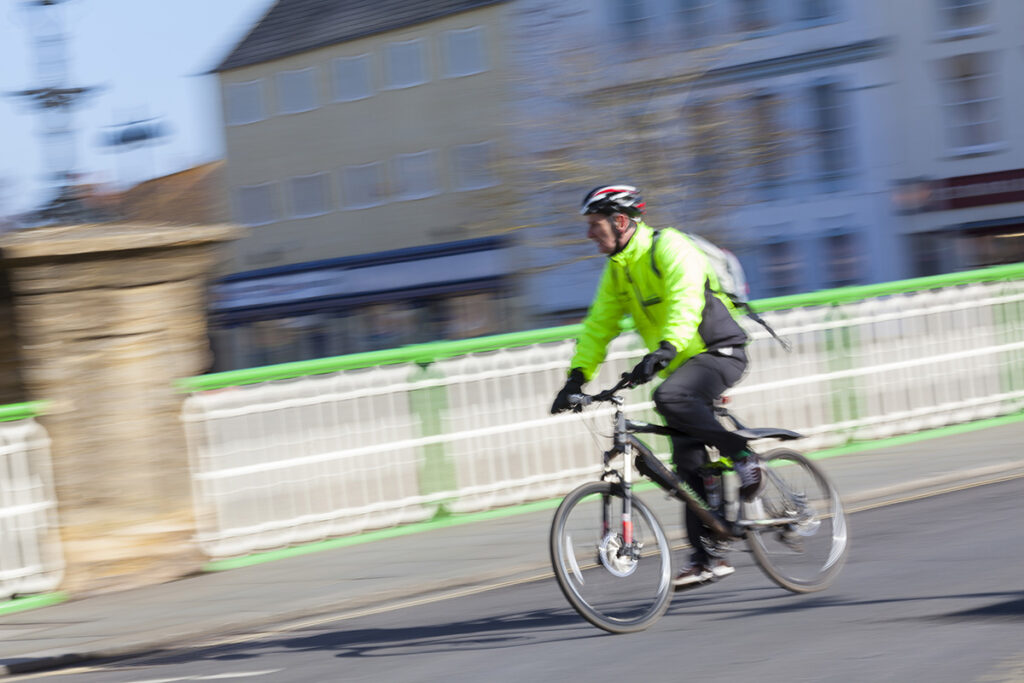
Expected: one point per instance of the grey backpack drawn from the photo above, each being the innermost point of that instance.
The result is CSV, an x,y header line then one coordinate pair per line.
x,y
732,282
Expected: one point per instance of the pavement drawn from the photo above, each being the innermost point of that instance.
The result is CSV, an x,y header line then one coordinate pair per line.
x,y
443,560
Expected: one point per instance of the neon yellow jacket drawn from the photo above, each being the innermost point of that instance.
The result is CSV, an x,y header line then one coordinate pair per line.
x,y
680,305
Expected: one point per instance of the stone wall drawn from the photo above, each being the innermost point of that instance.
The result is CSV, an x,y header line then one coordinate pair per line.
x,y
11,388
107,318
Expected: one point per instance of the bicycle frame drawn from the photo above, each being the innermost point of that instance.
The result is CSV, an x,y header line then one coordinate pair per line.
x,y
781,518
632,448
637,452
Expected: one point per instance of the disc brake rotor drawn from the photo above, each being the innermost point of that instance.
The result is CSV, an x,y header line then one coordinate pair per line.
x,y
617,564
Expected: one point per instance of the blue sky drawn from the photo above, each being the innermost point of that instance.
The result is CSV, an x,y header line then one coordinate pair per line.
x,y
150,59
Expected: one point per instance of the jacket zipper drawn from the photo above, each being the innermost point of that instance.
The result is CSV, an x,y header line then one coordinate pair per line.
x,y
636,292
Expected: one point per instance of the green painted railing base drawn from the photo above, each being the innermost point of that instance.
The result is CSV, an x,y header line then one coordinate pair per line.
x,y
32,602
22,411
902,439
449,519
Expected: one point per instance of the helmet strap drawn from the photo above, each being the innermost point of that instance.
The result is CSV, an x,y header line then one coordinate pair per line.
x,y
620,242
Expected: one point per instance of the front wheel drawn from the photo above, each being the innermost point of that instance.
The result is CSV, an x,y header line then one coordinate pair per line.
x,y
799,534
618,584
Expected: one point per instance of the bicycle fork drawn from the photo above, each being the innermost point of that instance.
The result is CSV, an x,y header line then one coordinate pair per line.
x,y
624,446
626,517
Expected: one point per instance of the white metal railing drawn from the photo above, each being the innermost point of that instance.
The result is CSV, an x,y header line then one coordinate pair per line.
x,y
31,560
298,460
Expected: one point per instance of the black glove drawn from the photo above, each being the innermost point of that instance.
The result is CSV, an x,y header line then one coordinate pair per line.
x,y
573,385
653,363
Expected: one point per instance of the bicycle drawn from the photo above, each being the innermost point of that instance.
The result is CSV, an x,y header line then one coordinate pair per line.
x,y
617,575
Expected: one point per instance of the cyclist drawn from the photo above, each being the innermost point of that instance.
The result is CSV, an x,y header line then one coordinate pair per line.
x,y
693,342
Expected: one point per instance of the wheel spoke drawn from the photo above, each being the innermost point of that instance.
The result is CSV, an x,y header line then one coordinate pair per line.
x,y
628,587
797,528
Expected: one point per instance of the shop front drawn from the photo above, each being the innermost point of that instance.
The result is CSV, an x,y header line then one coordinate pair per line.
x,y
364,303
965,222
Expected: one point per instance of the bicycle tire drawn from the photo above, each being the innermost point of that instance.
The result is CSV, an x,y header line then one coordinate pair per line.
x,y
601,590
781,550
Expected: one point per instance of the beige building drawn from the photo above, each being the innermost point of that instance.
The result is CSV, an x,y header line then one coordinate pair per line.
x,y
362,147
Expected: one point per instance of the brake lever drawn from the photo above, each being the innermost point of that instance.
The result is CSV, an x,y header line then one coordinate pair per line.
x,y
578,401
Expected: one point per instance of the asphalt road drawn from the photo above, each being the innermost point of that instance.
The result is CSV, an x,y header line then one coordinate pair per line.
x,y
933,591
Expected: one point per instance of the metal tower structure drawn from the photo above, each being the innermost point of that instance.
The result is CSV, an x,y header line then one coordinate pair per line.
x,y
55,100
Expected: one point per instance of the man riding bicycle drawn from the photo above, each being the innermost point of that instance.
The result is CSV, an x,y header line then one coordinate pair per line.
x,y
671,291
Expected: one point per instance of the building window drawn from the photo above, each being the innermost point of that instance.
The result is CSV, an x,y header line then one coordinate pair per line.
x,y
406,64
634,19
256,205
284,340
694,18
963,15
815,10
842,259
928,252
752,15
766,153
831,129
363,185
473,166
243,102
392,324
708,167
351,77
296,91
781,269
472,315
415,175
994,246
971,102
464,52
309,195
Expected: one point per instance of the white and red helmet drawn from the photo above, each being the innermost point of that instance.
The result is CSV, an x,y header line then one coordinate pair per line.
x,y
609,199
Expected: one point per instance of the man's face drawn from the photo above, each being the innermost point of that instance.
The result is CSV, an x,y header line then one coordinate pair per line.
x,y
601,229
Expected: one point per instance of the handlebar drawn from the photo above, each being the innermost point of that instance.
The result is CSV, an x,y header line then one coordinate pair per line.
x,y
579,401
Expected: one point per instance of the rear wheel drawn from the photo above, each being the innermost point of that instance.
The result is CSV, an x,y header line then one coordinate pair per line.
x,y
800,537
618,586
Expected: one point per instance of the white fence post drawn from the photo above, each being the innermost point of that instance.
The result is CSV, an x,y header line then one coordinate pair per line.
x,y
31,560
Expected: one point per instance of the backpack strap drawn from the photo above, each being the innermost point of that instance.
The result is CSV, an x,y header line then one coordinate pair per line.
x,y
761,321
654,245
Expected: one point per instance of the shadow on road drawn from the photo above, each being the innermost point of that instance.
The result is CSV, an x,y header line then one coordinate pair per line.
x,y
518,629
737,604
510,630
1008,609
501,631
